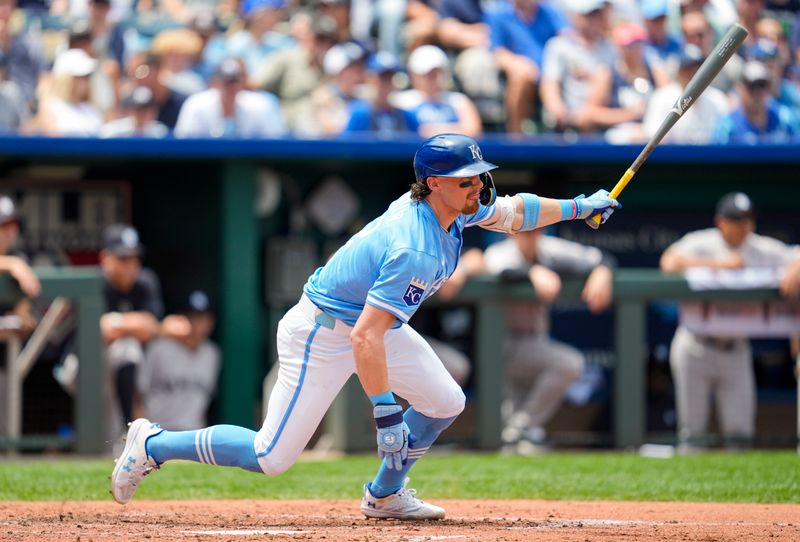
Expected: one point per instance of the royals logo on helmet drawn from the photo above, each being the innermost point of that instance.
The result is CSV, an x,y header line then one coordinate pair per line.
x,y
476,152
414,292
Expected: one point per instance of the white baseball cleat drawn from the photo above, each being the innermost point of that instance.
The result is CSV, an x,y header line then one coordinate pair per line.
x,y
134,463
402,504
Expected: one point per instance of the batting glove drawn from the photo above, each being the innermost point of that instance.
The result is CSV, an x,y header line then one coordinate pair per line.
x,y
392,435
598,203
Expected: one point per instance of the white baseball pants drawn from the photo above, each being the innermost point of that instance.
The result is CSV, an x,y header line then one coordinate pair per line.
x,y
316,359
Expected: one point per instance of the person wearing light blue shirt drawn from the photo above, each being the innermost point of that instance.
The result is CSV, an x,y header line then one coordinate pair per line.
x,y
352,318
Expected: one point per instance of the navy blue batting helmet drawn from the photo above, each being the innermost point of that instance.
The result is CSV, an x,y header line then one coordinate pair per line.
x,y
454,155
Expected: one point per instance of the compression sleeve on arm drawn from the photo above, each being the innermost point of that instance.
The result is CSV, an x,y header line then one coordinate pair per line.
x,y
530,211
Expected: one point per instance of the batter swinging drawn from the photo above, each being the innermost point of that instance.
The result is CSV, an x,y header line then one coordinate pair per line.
x,y
352,317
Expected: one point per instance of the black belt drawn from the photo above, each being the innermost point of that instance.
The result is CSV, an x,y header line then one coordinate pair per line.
x,y
725,345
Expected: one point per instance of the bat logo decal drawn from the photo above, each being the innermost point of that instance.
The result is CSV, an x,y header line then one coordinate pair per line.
x,y
682,105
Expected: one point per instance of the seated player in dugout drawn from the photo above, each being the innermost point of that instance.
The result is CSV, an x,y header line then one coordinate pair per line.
x,y
134,306
352,318
178,377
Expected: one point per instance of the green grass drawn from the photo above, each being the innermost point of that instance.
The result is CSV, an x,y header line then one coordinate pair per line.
x,y
768,477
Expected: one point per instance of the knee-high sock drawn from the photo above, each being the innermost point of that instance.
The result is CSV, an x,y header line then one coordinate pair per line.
x,y
224,445
424,431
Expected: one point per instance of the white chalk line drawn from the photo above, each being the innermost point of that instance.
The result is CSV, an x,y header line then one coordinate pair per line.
x,y
545,523
261,532
245,532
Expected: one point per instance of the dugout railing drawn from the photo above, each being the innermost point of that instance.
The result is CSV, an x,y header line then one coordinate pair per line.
x,y
82,286
634,290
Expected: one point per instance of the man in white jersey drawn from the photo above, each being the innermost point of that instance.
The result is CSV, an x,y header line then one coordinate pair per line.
x,y
703,366
352,317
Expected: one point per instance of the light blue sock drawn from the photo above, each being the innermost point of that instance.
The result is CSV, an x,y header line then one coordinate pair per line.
x,y
424,431
224,445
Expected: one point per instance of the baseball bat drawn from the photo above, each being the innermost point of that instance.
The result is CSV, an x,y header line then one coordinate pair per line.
x,y
707,71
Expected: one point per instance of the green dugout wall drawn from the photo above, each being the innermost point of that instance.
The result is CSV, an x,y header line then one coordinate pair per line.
x,y
209,211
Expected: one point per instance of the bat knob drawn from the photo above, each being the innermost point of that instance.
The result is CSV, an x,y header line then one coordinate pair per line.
x,y
593,222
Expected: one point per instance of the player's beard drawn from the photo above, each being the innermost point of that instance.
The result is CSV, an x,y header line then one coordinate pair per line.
x,y
470,207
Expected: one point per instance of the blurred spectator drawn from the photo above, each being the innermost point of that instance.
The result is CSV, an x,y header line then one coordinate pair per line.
x,y
140,111
464,32
180,50
750,11
378,115
781,88
333,101
620,92
435,109
66,108
133,309
569,63
339,11
696,31
759,119
105,80
108,42
720,14
13,107
697,124
228,110
719,367
661,43
293,74
519,31
257,40
387,20
22,51
178,377
147,72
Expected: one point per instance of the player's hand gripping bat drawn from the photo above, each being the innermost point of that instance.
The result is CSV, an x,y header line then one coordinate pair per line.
x,y
705,74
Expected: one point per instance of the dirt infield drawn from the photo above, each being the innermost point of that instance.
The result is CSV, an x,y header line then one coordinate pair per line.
x,y
335,521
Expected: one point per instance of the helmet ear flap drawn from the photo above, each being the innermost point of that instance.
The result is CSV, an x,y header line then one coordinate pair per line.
x,y
488,193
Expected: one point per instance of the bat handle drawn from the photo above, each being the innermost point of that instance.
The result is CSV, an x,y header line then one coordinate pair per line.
x,y
594,220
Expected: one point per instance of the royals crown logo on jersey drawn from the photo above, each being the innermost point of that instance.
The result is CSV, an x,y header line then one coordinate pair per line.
x,y
414,292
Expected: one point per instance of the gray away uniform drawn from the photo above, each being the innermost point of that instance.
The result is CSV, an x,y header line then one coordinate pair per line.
x,y
703,366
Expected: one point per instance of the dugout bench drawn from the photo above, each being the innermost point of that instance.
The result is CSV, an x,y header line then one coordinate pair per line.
x,y
634,289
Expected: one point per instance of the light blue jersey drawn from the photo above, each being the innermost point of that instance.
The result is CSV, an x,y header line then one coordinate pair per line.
x,y
397,261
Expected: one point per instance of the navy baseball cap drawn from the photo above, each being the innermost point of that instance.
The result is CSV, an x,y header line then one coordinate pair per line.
x,y
122,240
735,206
198,301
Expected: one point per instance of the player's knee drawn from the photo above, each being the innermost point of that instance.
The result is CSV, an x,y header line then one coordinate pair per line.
x,y
274,465
452,403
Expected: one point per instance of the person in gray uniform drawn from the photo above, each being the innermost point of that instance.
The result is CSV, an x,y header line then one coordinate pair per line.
x,y
705,366
538,369
178,377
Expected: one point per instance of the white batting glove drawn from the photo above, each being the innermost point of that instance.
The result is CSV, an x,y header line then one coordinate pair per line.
x,y
597,203
392,435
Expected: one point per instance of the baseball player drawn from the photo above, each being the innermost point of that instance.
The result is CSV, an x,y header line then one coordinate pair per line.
x,y
352,317
705,366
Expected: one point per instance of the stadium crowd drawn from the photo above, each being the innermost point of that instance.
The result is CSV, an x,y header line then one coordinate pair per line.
x,y
323,68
